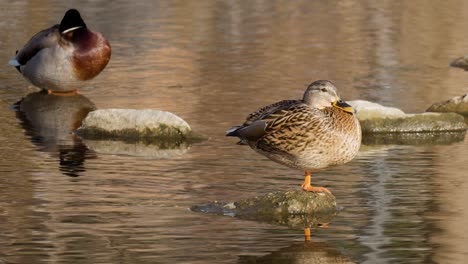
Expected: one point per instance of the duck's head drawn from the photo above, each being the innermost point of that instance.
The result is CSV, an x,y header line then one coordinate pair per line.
x,y
71,22
322,93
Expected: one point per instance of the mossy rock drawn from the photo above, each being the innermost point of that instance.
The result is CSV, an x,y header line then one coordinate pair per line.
x,y
295,209
287,203
425,122
415,138
131,124
376,118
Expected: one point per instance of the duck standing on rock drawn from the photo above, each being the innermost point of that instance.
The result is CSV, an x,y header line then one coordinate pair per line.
x,y
309,134
62,58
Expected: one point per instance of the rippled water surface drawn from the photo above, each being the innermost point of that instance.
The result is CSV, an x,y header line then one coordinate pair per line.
x,y
66,200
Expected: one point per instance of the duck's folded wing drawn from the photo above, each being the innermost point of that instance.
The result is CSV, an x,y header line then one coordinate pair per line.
x,y
293,130
268,110
43,39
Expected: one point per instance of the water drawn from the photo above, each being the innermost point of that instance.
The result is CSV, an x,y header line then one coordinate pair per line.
x,y
64,200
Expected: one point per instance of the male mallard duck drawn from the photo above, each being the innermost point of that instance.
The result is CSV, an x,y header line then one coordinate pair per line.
x,y
309,134
62,57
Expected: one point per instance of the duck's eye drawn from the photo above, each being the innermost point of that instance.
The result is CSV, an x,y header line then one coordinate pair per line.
x,y
323,90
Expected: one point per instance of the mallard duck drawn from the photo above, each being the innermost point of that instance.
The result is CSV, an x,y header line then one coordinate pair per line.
x,y
310,134
64,56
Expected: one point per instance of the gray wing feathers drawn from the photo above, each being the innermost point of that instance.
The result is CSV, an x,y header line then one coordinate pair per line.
x,y
43,39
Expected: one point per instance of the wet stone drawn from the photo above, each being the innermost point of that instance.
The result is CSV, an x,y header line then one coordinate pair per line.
x,y
375,118
296,209
134,124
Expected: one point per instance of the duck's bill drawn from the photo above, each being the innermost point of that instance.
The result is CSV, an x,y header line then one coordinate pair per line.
x,y
343,106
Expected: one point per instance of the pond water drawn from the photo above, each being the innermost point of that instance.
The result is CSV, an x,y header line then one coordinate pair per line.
x,y
65,200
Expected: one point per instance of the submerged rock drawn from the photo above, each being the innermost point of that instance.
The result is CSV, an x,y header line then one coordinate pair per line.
x,y
133,124
375,118
457,104
296,209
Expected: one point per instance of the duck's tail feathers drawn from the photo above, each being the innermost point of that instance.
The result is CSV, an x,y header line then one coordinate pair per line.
x,y
15,63
233,131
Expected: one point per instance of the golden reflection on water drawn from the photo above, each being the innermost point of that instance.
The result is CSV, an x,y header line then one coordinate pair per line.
x,y
212,63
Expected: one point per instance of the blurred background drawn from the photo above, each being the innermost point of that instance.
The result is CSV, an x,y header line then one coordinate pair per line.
x,y
65,200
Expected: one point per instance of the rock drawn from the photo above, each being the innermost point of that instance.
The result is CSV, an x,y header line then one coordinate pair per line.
x,y
375,118
369,110
296,209
287,203
425,122
414,138
134,124
461,62
457,104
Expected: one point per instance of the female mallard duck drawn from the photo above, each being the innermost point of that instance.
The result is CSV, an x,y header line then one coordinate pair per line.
x,y
62,57
309,134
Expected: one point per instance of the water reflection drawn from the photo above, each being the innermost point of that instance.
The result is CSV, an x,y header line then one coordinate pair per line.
x,y
307,252
147,149
49,121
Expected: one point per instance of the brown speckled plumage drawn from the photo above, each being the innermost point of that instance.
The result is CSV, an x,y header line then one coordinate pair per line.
x,y
309,134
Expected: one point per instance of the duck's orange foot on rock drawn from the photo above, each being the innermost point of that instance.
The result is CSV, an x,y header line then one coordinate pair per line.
x,y
315,189
309,188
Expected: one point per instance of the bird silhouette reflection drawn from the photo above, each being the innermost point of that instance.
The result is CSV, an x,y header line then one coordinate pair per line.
x,y
49,120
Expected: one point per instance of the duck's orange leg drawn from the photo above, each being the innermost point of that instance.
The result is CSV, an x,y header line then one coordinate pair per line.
x,y
71,93
307,234
307,187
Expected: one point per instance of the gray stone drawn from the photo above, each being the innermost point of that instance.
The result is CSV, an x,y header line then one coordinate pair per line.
x,y
296,209
375,118
457,104
134,124
425,122
369,110
413,138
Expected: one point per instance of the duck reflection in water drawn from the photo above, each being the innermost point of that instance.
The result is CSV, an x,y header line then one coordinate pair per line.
x,y
301,252
50,121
